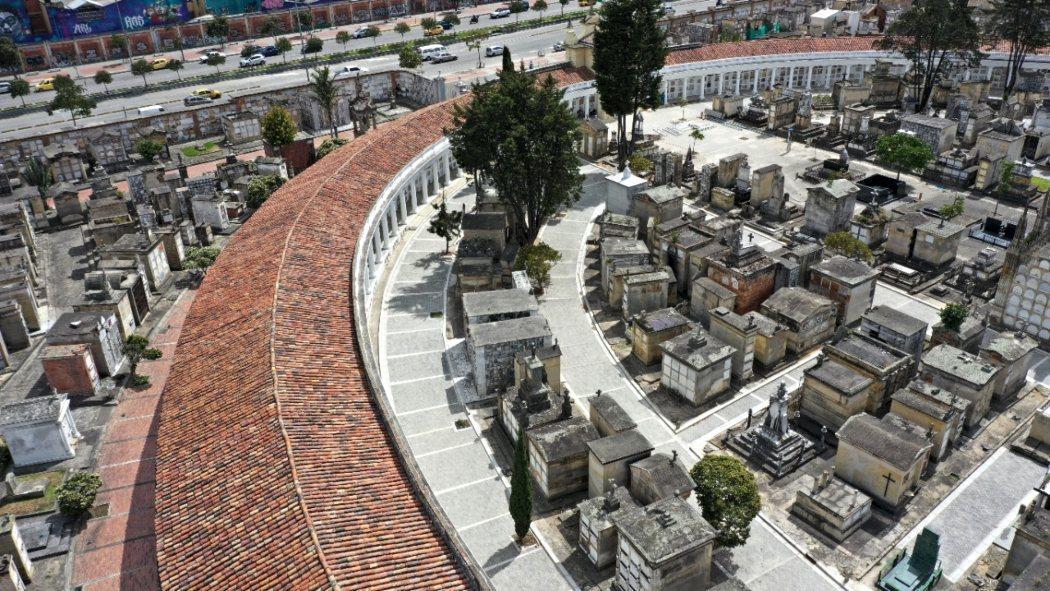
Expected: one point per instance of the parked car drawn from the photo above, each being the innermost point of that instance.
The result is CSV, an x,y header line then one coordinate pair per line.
x,y
360,33
253,60
493,50
349,71
207,54
442,58
5,87
559,46
270,51
160,63
207,93
194,99
433,32
500,13
45,84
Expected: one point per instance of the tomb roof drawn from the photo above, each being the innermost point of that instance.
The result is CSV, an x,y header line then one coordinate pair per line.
x,y
500,301
563,439
506,331
960,364
883,439
666,529
895,320
619,446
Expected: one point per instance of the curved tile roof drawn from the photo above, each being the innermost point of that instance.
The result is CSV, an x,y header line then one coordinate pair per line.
x,y
720,51
275,470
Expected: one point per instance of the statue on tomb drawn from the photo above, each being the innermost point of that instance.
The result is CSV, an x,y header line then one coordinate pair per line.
x,y
776,423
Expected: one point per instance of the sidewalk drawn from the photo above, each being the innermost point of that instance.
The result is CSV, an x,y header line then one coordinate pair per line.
x,y
118,551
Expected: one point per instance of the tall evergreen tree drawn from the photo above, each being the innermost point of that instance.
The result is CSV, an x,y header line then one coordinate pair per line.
x,y
1025,26
324,92
629,51
508,61
934,35
521,489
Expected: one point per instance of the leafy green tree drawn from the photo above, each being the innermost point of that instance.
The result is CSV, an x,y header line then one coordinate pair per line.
x,y
537,260
20,89
451,19
563,3
342,38
77,494
149,149
137,349
517,7
953,209
934,35
426,23
249,49
269,27
848,245
539,6
508,61
283,46
120,42
10,60
1005,180
219,28
521,489
474,40
201,257
70,97
330,145
216,60
728,497
176,66
374,32
640,164
409,58
104,78
524,123
314,45
38,174
260,188
324,92
445,224
953,315
178,44
305,19
1022,24
697,136
402,28
629,51
903,151
278,127
141,67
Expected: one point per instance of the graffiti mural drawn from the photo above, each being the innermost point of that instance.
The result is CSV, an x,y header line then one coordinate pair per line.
x,y
14,22
126,15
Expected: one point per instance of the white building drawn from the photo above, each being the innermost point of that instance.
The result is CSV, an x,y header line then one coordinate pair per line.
x,y
39,430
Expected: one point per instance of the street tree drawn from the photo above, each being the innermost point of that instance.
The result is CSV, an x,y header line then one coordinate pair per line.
x,y
409,58
728,497
520,502
953,315
517,7
1021,24
136,349
445,224
120,42
342,38
539,6
215,59
269,27
508,61
10,59
278,127
526,147
426,23
283,46
537,260
474,41
903,152
176,66
104,78
249,49
260,188
305,19
324,92
178,44
149,149
629,51
218,28
313,45
934,35
141,67
954,209
848,245
20,89
402,28
70,97
563,4
374,32
451,19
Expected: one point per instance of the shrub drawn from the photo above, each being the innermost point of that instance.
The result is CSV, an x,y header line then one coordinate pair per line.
x,y
77,494
953,315
330,145
313,45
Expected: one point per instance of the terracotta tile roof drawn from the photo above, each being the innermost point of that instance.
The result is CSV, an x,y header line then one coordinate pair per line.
x,y
720,51
566,75
274,468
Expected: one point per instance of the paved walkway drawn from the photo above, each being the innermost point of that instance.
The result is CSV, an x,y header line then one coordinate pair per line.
x,y
118,552
422,389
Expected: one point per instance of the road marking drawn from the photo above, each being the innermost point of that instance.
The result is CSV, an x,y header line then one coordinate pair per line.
x,y
492,478
443,450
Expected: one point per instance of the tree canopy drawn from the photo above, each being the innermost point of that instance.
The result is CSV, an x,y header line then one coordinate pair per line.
x,y
629,51
728,497
324,92
445,224
149,149
218,27
848,245
953,209
141,67
70,97
903,151
260,188
1022,24
953,315
10,61
409,58
537,260
20,88
201,257
520,501
278,127
330,145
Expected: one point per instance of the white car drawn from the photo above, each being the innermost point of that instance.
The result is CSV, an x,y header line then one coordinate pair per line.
x,y
500,13
350,71
493,50
207,54
360,33
256,59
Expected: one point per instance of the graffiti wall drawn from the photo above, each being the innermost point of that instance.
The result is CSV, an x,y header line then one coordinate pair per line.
x,y
126,15
14,21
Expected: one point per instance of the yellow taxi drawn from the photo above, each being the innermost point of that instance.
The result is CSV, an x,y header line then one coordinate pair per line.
x,y
433,32
207,92
45,84
160,63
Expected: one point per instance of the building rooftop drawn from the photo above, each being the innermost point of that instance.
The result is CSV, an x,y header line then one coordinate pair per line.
x,y
666,529
660,320
622,445
720,291
75,323
667,474
487,221
838,497
32,410
797,303
743,323
647,277
623,246
478,248
505,331
767,327
563,439
845,270
618,219
838,188
602,514
895,320
1011,346
64,351
960,364
500,301
883,439
930,401
869,351
663,194
941,228
840,377
135,242
697,348
611,411
927,121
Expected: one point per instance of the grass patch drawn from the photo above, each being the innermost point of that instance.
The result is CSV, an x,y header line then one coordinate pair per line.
x,y
39,504
1040,183
200,150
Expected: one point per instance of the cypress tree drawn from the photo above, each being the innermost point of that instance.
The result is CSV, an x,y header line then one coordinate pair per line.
x,y
508,62
521,489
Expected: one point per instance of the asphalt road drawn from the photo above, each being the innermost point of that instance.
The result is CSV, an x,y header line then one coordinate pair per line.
x,y
524,45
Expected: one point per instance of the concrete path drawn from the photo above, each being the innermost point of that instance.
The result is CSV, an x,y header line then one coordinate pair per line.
x,y
768,560
422,389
